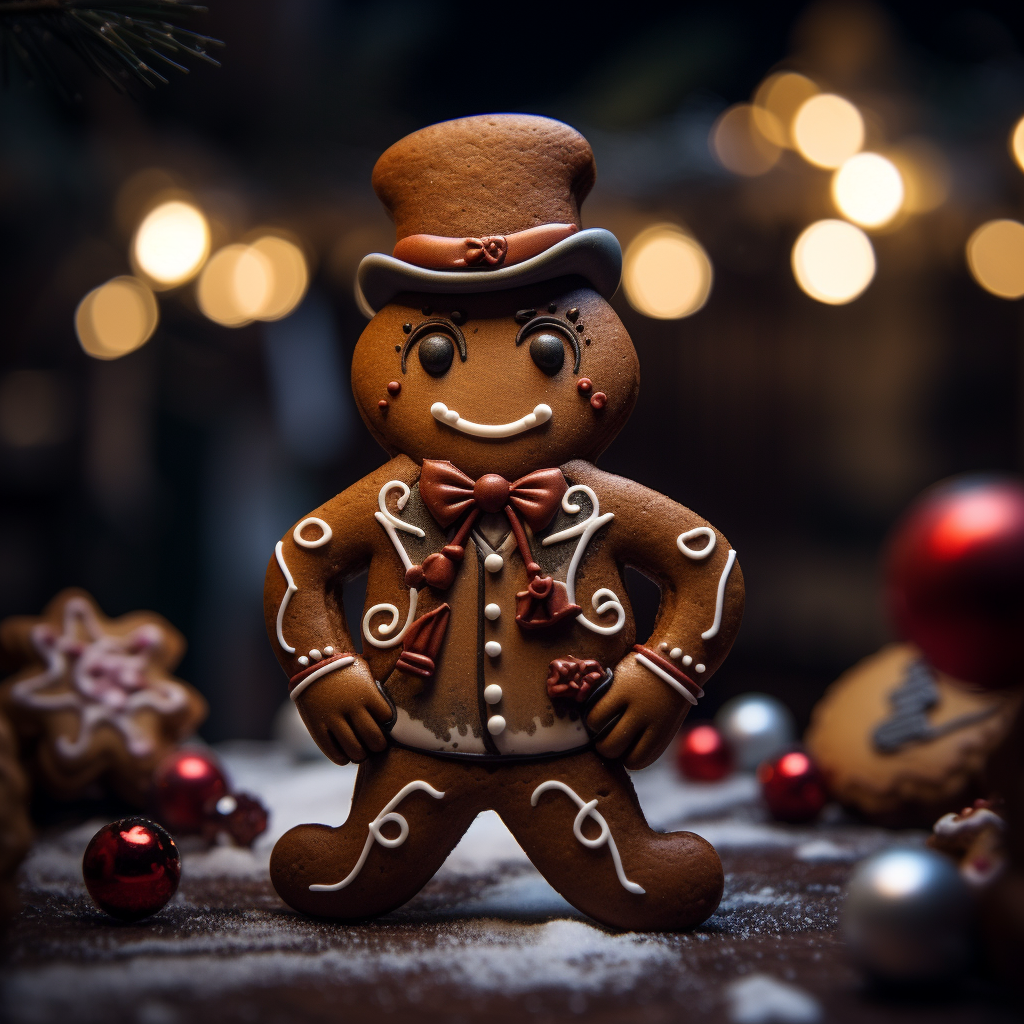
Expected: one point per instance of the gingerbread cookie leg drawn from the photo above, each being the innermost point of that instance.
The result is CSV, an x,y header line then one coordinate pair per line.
x,y
408,812
579,821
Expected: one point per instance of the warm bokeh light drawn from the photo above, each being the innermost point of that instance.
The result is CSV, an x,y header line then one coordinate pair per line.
x,y
925,172
1017,143
828,130
868,189
234,285
116,318
262,281
995,255
666,273
776,102
171,243
833,261
739,146
289,276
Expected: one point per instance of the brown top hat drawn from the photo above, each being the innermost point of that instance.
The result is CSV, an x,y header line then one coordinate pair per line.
x,y
487,203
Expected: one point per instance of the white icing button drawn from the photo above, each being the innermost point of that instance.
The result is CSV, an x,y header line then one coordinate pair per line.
x,y
492,611
315,655
495,725
687,660
493,563
303,661
227,805
698,668
676,653
328,651
662,647
492,693
493,648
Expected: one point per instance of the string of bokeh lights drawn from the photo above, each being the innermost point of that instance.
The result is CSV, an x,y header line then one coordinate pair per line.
x,y
264,279
668,275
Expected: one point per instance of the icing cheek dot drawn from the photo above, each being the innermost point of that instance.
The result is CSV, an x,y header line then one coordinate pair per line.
x,y
598,400
583,385
393,388
382,404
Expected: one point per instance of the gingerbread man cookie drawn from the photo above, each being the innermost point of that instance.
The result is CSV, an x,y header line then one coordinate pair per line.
x,y
902,743
95,701
500,667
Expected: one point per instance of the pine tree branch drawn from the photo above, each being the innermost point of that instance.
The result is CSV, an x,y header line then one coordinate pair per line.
x,y
116,39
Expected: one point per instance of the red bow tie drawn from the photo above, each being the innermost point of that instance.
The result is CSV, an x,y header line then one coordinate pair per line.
x,y
448,494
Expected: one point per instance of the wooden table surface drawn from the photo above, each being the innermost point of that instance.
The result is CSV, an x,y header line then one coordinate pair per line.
x,y
487,939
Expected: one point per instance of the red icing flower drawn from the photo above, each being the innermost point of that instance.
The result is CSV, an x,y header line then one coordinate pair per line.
x,y
574,678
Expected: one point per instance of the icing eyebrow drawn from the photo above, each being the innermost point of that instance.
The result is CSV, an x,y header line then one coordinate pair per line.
x,y
555,324
438,324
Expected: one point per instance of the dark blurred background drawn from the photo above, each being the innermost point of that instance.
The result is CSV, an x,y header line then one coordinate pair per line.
x,y
163,478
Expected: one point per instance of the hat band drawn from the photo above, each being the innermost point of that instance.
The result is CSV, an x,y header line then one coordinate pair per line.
x,y
438,252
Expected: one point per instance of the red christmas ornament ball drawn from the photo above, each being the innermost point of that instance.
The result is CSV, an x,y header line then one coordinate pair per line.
x,y
186,788
131,868
792,787
703,755
955,579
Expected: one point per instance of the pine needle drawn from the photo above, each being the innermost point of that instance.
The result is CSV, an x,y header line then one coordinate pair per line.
x,y
116,39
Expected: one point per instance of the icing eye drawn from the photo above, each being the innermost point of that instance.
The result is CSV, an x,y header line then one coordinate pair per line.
x,y
436,354
548,352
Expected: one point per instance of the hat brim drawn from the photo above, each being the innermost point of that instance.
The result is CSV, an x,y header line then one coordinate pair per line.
x,y
593,254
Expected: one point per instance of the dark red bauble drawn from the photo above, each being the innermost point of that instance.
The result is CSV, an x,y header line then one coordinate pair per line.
x,y
131,868
241,815
792,787
955,579
703,755
186,788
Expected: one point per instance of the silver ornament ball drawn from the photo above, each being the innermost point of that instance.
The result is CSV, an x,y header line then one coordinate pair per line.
x,y
907,916
756,727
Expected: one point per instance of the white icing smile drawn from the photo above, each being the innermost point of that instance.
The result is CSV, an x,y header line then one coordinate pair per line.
x,y
441,413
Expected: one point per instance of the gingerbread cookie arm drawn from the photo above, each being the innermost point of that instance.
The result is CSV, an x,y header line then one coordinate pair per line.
x,y
333,688
301,597
699,615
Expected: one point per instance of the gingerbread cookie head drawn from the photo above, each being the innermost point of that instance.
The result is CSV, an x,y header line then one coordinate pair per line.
x,y
95,702
492,343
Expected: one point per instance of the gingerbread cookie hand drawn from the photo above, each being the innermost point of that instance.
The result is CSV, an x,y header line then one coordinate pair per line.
x,y
642,717
344,712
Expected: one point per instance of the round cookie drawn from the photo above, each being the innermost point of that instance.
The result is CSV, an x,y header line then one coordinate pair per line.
x,y
901,743
94,705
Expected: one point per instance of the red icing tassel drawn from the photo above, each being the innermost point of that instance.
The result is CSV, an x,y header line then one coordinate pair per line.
x,y
792,787
131,868
703,755
423,642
